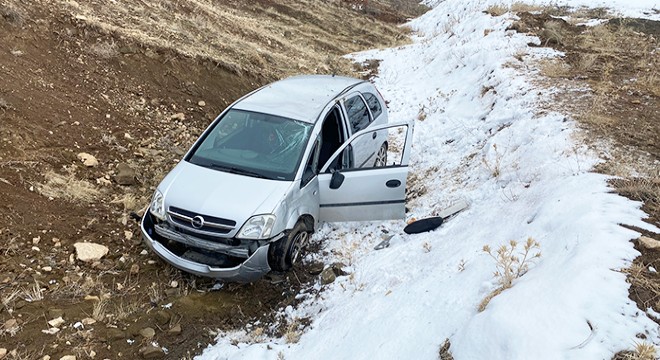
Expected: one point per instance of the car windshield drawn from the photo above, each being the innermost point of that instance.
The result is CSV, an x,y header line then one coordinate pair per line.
x,y
253,144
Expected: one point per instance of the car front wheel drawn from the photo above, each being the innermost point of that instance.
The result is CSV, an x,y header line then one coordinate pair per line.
x,y
285,253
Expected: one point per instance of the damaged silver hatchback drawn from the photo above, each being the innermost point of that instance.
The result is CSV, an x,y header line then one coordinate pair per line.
x,y
259,180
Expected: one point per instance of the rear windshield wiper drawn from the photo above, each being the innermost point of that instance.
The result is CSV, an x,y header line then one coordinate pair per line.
x,y
235,170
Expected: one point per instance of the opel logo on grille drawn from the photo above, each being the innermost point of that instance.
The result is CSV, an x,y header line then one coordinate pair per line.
x,y
197,222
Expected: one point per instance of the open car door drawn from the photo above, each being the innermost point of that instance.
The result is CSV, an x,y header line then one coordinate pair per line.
x,y
350,193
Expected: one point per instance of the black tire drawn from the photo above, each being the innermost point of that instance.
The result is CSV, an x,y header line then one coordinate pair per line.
x,y
381,156
284,253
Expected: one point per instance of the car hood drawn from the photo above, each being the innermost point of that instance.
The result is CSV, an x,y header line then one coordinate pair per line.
x,y
225,195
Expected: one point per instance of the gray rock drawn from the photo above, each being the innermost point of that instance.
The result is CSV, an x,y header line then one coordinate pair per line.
x,y
88,159
175,330
163,317
178,116
315,268
649,243
338,269
328,276
125,175
152,352
89,252
148,333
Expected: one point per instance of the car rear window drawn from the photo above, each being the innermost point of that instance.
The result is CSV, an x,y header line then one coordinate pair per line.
x,y
358,115
374,104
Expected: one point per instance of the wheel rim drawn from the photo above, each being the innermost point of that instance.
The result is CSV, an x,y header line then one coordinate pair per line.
x,y
298,243
381,158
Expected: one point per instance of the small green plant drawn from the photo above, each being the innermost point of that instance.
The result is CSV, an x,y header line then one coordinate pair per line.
x,y
510,264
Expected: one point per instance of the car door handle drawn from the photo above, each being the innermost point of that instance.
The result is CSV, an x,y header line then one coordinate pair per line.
x,y
394,183
374,135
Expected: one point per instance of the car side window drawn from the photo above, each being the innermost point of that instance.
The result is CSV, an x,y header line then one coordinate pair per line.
x,y
374,104
358,115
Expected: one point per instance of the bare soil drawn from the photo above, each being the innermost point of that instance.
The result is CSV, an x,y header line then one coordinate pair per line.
x,y
69,86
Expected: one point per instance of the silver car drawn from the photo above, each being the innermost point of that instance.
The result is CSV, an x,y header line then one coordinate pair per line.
x,y
247,195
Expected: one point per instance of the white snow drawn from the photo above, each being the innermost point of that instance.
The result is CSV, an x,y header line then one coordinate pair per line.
x,y
525,174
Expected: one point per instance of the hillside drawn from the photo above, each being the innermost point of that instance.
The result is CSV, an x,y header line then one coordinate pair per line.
x,y
133,91
542,115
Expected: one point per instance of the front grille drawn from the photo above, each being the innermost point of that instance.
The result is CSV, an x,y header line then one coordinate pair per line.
x,y
210,225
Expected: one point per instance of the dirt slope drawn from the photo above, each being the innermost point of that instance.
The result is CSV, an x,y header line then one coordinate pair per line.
x,y
92,78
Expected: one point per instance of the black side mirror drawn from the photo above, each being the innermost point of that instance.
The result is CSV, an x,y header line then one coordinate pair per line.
x,y
336,180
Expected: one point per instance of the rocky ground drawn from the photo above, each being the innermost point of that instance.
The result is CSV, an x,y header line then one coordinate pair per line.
x,y
90,120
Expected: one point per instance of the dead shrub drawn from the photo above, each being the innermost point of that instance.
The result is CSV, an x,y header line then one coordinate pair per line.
x,y
445,353
641,351
553,32
497,10
510,264
105,50
67,187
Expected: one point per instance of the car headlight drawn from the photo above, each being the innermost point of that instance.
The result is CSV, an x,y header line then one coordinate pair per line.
x,y
157,207
257,227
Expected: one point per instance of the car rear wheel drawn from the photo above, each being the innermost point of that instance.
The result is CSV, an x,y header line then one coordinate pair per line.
x,y
381,157
285,253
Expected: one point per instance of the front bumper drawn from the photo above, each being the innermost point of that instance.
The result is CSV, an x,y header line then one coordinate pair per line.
x,y
253,268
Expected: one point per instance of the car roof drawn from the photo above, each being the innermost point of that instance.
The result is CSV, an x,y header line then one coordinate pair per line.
x,y
299,97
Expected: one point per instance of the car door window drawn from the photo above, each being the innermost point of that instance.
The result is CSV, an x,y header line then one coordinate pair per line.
x,y
399,136
373,103
358,115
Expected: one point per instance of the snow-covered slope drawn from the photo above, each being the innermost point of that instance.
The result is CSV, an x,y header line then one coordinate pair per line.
x,y
481,139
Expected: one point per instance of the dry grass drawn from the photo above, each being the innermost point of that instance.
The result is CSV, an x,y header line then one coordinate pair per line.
x,y
34,293
293,333
640,277
129,201
493,165
99,311
519,7
554,68
641,351
644,189
554,32
444,353
156,294
104,50
67,187
510,265
302,36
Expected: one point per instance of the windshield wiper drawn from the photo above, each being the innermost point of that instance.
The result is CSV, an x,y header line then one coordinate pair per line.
x,y
235,170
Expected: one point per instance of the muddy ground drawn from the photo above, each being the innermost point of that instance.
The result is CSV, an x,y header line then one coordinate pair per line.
x,y
69,88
